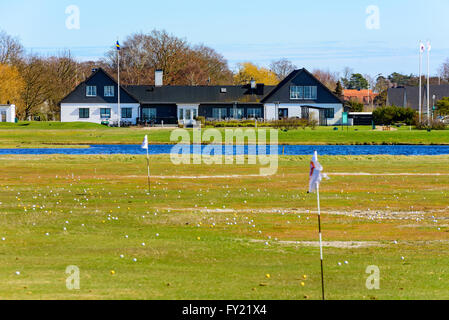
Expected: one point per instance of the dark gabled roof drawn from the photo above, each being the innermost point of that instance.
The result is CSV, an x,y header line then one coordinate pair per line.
x,y
293,75
409,96
79,94
169,94
395,96
197,94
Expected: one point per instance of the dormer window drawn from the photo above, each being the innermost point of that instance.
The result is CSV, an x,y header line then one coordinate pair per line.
x,y
109,91
91,91
303,92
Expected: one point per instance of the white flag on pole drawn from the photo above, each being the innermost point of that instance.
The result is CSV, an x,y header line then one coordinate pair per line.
x,y
145,143
422,47
316,173
429,46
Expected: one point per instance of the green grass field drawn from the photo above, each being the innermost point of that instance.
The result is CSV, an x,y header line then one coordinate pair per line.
x,y
36,134
219,238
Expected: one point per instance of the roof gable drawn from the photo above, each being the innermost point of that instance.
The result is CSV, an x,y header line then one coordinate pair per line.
x,y
100,79
301,77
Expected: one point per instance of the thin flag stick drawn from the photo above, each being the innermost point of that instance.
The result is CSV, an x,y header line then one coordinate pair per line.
x,y
321,241
316,176
149,180
145,145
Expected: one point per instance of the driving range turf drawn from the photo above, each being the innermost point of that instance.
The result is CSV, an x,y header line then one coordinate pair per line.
x,y
240,237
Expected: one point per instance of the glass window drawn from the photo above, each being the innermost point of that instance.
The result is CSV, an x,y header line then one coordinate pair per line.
x,y
109,91
303,92
219,113
105,113
254,113
84,113
91,91
238,113
127,113
149,113
330,113
296,92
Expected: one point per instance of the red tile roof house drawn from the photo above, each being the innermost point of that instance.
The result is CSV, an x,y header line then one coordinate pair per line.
x,y
362,96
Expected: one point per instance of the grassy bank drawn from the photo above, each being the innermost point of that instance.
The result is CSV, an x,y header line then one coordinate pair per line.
x,y
46,133
219,238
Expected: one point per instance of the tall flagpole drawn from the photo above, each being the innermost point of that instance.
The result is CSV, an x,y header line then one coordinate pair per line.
x,y
118,89
321,240
428,82
420,80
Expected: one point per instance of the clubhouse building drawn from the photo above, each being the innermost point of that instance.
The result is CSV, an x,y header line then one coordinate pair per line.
x,y
300,95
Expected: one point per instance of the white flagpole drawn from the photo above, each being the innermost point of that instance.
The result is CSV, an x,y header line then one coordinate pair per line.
x,y
428,83
420,80
118,89
321,240
148,163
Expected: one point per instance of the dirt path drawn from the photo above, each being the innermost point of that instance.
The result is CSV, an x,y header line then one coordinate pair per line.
x,y
343,174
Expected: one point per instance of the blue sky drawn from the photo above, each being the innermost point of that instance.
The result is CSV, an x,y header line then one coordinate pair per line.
x,y
324,34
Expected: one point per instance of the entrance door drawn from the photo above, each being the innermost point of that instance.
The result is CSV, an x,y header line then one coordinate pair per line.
x,y
187,115
3,116
283,113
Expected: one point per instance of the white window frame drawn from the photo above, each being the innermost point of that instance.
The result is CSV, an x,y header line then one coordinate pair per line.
x,y
109,116
91,91
303,93
109,91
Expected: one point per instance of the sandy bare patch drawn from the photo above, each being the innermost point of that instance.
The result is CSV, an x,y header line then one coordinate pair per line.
x,y
330,244
240,176
364,214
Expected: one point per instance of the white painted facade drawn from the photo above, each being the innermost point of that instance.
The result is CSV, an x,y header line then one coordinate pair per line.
x,y
8,113
70,112
294,110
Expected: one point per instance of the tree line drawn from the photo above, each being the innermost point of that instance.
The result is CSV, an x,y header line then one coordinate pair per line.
x,y
36,84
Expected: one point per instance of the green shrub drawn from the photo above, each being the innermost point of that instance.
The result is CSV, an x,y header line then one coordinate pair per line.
x,y
434,125
392,114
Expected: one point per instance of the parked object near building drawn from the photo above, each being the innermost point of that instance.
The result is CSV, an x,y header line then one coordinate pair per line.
x,y
7,113
300,95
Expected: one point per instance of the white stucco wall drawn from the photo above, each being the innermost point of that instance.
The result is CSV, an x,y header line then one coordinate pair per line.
x,y
294,110
70,112
10,112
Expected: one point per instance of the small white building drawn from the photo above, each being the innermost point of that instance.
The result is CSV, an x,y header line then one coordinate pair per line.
x,y
7,113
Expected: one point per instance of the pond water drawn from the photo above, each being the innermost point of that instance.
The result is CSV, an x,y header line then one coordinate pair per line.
x,y
407,150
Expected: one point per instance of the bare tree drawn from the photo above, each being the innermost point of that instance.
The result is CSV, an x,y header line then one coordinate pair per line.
x,y
62,74
328,78
444,70
36,86
183,64
282,68
11,51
